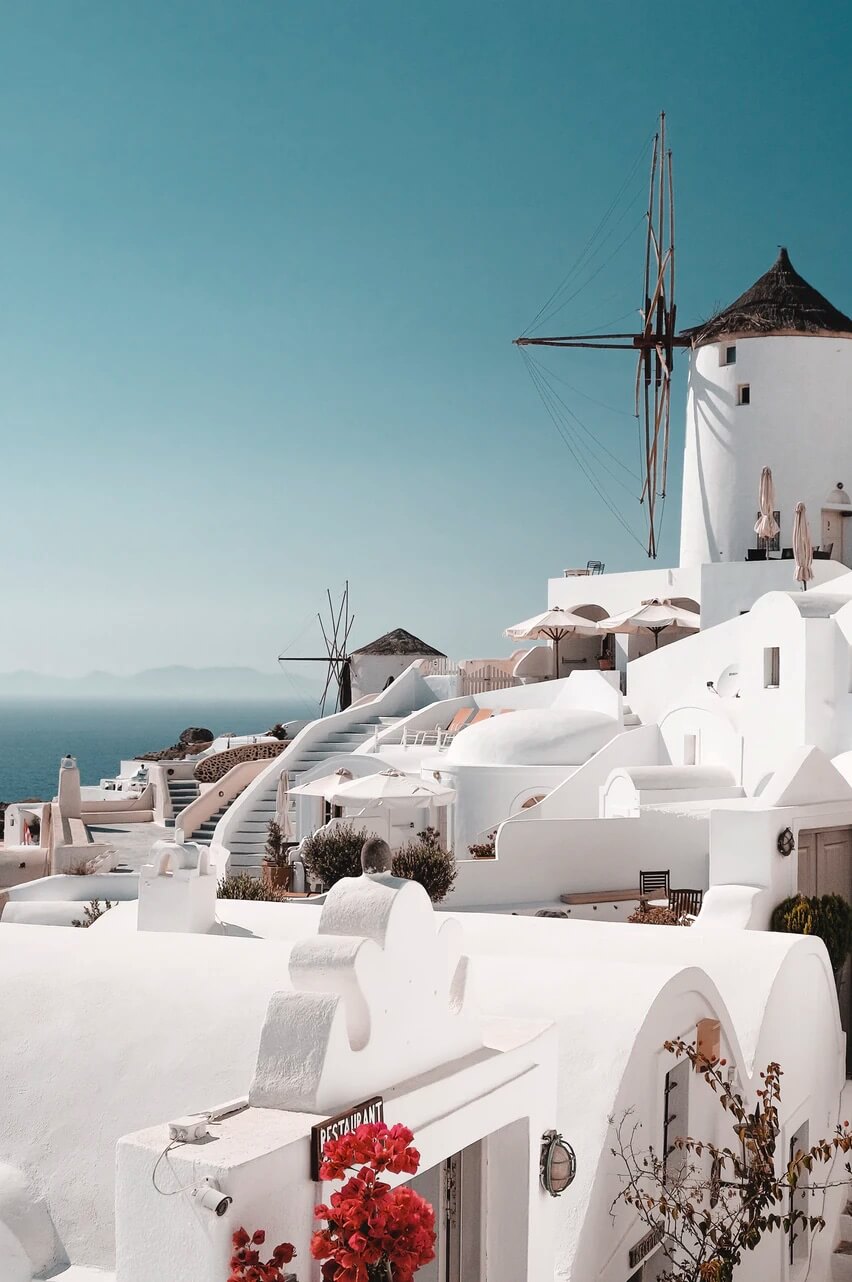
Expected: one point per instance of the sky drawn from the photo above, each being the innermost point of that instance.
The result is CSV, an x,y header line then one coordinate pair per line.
x,y
262,267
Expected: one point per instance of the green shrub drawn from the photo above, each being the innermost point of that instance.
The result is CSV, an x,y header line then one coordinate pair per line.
x,y
427,861
243,886
92,912
827,916
275,850
328,856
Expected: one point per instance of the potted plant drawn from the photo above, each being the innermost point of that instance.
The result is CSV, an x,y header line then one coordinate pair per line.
x,y
486,849
276,869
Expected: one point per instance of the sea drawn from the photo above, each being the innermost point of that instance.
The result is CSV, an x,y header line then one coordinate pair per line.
x,y
100,733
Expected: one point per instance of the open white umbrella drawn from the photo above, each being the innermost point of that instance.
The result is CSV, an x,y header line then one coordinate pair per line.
x,y
802,548
766,527
325,786
282,807
393,788
653,615
554,625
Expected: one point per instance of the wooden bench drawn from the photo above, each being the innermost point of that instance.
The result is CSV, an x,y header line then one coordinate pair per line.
x,y
600,896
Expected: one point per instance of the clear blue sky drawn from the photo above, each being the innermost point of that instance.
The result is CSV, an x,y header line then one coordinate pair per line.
x,y
261,268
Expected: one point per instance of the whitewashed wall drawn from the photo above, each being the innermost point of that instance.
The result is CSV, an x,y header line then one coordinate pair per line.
x,y
797,423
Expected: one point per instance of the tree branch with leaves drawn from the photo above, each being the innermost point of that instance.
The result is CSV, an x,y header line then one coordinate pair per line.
x,y
710,1204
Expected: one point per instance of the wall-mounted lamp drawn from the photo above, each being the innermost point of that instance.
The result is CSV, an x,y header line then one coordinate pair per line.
x,y
711,685
558,1163
786,842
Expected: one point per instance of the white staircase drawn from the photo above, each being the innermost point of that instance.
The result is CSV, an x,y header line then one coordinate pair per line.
x,y
841,1260
246,842
181,792
630,717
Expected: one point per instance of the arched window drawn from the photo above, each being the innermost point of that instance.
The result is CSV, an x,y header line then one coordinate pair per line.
x,y
533,801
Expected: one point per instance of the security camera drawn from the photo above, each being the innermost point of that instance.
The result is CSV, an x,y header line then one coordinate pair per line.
x,y
211,1196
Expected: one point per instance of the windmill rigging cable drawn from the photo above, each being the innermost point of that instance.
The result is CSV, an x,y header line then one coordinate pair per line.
x,y
544,372
613,409
590,458
579,260
598,270
577,457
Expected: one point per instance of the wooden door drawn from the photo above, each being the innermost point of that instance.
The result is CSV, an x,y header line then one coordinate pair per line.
x,y
825,868
806,853
455,1191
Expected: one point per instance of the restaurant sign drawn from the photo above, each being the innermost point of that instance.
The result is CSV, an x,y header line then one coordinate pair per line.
x,y
372,1110
645,1246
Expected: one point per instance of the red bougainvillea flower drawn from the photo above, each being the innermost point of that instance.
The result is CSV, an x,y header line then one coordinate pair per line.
x,y
246,1264
368,1226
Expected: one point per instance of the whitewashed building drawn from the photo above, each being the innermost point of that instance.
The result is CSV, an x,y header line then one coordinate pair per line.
x,y
483,1034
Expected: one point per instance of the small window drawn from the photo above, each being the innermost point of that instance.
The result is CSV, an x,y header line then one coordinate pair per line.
x,y
729,355
798,1236
533,801
771,667
744,394
675,1121
690,749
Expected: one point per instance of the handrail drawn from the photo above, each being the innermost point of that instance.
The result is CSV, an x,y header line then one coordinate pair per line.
x,y
408,690
205,805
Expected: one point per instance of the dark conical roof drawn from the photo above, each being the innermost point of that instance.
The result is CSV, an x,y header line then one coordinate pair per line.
x,y
781,302
399,642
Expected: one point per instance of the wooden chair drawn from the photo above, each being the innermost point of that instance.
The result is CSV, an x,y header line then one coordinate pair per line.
x,y
685,903
655,883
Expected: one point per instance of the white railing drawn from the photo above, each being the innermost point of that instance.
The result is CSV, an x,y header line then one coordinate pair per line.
x,y
213,798
407,693
472,677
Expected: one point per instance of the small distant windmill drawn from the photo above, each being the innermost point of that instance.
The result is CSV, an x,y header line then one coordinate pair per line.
x,y
335,634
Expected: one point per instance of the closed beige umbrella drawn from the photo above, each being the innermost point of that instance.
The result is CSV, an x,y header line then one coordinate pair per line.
x,y
282,807
802,548
766,527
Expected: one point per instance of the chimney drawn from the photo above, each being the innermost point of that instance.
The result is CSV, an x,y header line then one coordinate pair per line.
x,y
177,891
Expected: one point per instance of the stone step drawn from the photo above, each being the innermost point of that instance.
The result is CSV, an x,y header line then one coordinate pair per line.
x,y
631,719
841,1262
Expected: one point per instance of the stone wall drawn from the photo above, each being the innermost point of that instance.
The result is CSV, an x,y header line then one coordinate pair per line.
x,y
211,769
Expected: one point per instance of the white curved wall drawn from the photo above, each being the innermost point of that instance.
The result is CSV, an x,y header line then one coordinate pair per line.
x,y
797,423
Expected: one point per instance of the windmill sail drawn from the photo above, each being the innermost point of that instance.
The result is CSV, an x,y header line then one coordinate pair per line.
x,y
655,342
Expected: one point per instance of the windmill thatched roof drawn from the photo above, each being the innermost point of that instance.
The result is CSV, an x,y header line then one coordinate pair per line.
x,y
781,302
399,642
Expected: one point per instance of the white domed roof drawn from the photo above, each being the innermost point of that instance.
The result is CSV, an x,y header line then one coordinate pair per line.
x,y
843,763
533,737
